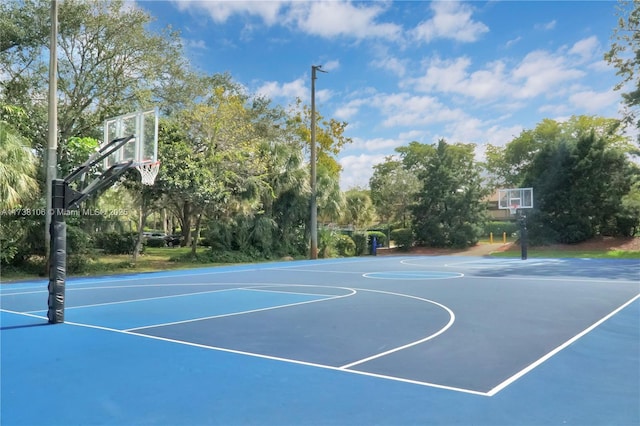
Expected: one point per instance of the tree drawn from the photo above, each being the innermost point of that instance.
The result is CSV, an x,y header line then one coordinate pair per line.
x,y
624,55
579,186
18,168
393,189
109,63
508,165
449,211
359,210
330,197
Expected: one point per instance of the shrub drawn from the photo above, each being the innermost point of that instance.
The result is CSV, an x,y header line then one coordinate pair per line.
x,y
156,242
116,243
403,238
360,241
497,228
345,245
78,241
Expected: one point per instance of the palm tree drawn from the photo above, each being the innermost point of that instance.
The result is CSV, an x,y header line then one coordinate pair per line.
x,y
18,167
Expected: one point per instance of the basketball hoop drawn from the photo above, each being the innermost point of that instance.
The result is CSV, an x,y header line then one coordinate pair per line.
x,y
148,171
513,209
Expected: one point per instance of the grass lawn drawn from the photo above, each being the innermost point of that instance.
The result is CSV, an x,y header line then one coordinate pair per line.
x,y
153,259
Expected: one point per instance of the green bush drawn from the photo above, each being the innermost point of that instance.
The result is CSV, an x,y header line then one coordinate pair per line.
x,y
78,241
497,228
78,263
360,241
345,245
403,238
117,243
156,242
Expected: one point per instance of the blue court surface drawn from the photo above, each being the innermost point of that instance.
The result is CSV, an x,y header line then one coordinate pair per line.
x,y
410,340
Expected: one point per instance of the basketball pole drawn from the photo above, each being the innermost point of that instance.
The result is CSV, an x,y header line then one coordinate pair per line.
x,y
524,237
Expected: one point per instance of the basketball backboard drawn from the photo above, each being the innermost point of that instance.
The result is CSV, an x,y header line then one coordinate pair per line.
x,y
515,198
143,148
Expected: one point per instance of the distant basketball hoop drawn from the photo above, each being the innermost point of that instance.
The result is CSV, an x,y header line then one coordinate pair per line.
x,y
514,200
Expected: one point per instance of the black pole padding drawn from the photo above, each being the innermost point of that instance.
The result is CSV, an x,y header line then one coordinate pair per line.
x,y
57,254
523,236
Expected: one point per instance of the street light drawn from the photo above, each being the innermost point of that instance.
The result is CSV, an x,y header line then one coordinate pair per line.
x,y
313,253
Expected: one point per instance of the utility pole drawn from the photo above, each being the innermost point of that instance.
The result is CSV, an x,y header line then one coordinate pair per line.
x,y
313,253
52,145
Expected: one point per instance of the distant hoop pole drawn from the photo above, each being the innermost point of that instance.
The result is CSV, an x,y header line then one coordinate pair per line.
x,y
524,236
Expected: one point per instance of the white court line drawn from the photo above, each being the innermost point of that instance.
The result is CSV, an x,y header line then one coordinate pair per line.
x,y
118,287
269,357
144,299
285,292
231,314
535,364
565,279
317,271
26,314
452,319
402,275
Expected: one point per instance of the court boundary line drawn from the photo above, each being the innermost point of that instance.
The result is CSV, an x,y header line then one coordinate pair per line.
x,y
230,314
118,287
408,278
144,299
512,379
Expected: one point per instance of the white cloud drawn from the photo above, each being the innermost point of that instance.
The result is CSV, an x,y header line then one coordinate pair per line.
x,y
546,26
453,77
331,65
585,48
451,20
341,18
541,72
592,102
220,11
373,145
194,44
395,65
413,135
358,169
290,90
512,42
404,109
348,110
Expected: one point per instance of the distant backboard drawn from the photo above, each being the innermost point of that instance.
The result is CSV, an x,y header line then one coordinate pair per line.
x,y
143,148
515,198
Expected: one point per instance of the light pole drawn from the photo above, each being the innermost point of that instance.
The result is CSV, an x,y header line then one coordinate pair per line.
x,y
52,143
313,253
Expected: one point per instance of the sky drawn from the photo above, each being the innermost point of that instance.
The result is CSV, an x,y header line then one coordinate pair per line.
x,y
400,71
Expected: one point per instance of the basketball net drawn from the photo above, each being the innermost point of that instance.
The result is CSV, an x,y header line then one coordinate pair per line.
x,y
514,209
148,172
